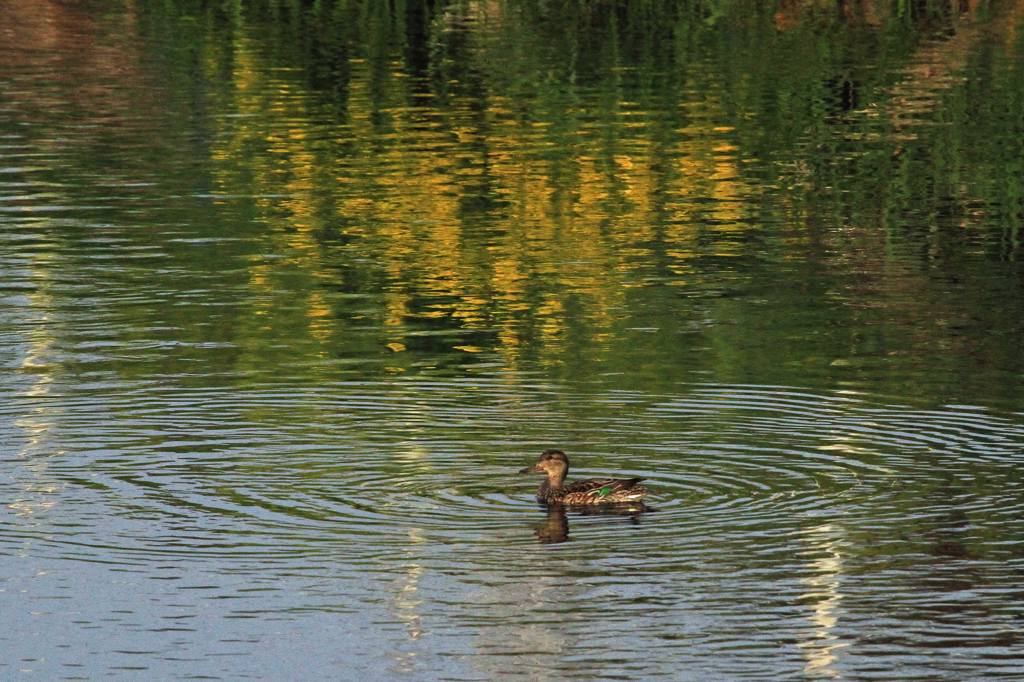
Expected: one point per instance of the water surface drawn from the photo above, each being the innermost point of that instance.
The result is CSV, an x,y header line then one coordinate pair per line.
x,y
288,294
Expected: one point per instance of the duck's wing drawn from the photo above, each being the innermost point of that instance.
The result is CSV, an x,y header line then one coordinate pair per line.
x,y
603,489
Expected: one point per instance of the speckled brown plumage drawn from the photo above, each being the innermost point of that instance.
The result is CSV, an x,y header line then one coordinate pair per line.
x,y
555,465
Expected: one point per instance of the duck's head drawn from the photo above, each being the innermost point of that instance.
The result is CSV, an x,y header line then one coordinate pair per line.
x,y
554,463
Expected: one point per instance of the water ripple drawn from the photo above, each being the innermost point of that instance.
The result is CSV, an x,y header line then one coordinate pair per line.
x,y
215,473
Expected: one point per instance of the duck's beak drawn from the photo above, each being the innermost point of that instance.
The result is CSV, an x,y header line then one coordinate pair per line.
x,y
530,470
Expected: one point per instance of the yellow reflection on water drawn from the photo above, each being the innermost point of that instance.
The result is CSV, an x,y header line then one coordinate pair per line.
x,y
823,594
35,426
407,601
571,207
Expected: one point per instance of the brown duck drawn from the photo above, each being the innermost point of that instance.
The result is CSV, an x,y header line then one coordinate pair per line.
x,y
554,490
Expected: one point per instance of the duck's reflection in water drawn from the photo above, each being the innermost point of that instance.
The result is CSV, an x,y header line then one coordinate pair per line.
x,y
555,528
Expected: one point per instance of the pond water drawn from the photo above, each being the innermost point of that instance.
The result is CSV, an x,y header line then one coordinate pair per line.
x,y
290,291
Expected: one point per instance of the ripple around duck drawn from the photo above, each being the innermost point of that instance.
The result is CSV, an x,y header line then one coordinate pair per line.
x,y
362,465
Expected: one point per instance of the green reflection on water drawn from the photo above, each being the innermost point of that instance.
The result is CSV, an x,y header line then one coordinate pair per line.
x,y
636,194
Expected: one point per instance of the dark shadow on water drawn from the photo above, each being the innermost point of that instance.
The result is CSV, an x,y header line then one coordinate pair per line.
x,y
555,528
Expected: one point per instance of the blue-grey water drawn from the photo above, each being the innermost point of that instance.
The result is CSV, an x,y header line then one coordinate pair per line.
x,y
289,292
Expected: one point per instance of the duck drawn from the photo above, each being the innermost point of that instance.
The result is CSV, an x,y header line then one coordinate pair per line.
x,y
554,490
